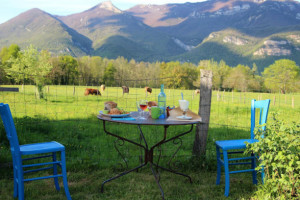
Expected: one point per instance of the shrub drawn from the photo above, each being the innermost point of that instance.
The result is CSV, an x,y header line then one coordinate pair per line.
x,y
279,152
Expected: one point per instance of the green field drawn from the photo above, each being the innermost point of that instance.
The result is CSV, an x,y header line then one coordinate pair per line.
x,y
69,117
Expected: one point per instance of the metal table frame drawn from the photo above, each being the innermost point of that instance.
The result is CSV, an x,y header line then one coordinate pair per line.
x,y
148,150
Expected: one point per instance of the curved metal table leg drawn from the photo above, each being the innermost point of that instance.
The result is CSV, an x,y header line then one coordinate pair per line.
x,y
157,181
122,174
174,172
149,155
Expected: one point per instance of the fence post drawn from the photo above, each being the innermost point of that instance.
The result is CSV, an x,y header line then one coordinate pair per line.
x,y
285,98
274,100
240,97
199,148
293,102
223,95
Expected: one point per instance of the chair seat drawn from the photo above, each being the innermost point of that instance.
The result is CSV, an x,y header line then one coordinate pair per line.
x,y
234,144
45,147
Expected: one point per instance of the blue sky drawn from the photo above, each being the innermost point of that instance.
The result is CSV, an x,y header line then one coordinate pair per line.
x,y
12,8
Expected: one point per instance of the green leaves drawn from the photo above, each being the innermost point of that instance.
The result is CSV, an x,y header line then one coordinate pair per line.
x,y
280,157
282,75
30,64
181,75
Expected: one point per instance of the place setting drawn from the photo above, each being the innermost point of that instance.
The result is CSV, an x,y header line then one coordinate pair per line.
x,y
113,112
182,113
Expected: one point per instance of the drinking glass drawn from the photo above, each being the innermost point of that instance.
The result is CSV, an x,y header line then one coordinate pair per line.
x,y
143,104
139,109
184,106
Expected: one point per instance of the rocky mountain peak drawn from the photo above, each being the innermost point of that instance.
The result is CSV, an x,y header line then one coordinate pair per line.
x,y
107,5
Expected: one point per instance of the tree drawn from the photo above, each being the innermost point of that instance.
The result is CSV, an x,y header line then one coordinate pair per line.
x,y
220,71
241,78
33,65
109,74
179,75
5,54
282,75
69,68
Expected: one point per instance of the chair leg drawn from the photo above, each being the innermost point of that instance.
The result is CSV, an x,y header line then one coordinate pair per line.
x,y
55,171
15,180
226,167
64,173
218,166
253,166
20,183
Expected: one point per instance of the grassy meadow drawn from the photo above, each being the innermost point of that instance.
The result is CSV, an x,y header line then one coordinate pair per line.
x,y
67,116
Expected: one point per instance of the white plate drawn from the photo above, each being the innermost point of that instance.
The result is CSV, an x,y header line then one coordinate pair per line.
x,y
108,115
184,117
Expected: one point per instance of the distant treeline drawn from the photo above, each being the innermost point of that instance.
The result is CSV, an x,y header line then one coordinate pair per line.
x,y
39,67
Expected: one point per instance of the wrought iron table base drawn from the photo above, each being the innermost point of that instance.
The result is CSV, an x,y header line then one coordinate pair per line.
x,y
149,156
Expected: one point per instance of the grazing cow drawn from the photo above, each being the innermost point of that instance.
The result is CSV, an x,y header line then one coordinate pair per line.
x,y
148,89
197,91
91,91
125,89
102,88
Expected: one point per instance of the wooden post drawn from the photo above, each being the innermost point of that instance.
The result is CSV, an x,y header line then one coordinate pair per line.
x,y
293,102
36,91
285,98
74,91
199,148
274,100
218,94
223,95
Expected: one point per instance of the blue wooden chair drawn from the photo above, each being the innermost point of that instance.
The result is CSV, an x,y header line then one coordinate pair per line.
x,y
230,147
17,151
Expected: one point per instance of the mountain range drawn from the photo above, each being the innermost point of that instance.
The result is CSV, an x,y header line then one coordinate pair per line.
x,y
236,31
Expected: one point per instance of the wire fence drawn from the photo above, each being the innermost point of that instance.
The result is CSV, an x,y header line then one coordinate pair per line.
x,y
66,115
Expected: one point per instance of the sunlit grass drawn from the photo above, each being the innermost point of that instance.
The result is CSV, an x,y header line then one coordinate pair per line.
x,y
69,117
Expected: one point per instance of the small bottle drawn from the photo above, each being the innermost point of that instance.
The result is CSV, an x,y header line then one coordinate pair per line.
x,y
162,102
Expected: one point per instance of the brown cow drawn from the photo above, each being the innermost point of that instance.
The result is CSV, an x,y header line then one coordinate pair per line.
x,y
125,89
102,88
148,89
91,91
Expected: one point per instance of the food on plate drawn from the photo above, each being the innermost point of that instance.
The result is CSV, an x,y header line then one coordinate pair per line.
x,y
110,105
114,111
117,111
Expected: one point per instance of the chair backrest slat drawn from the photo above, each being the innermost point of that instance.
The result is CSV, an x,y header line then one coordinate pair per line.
x,y
10,128
263,107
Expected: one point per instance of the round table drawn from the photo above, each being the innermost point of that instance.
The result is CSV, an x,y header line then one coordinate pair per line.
x,y
148,157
